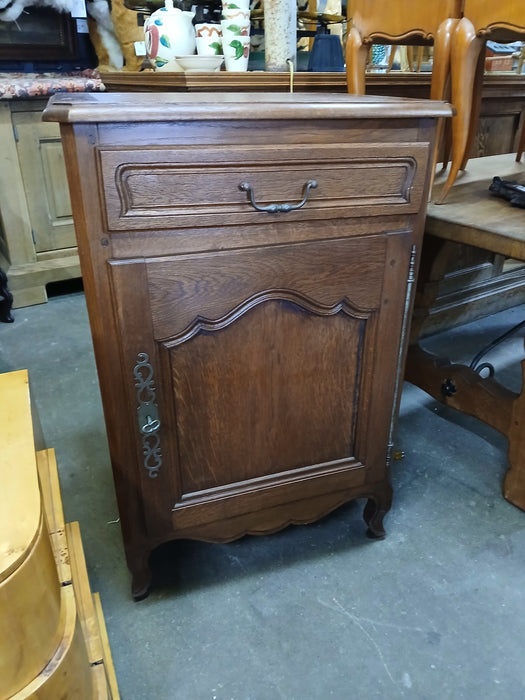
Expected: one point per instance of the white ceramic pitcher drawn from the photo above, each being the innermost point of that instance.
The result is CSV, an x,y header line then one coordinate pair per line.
x,y
169,32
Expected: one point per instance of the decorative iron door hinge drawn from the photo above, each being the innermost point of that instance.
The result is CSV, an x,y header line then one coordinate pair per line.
x,y
411,278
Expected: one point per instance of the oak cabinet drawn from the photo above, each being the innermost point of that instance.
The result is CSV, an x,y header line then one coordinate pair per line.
x,y
248,264
37,235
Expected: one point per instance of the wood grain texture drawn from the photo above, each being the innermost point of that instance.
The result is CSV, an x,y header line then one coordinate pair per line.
x,y
232,106
41,160
412,22
68,673
50,642
504,22
378,19
37,238
168,189
21,512
31,615
488,17
472,216
249,364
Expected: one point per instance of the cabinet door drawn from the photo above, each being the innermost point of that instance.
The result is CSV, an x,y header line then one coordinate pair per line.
x,y
260,376
43,171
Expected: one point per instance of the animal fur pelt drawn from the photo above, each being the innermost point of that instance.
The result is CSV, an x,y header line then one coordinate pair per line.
x,y
103,36
127,32
10,10
113,29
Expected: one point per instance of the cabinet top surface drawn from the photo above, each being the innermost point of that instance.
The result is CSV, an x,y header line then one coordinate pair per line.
x,y
148,107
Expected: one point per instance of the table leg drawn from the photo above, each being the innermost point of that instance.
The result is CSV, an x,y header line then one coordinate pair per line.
x,y
457,385
465,52
514,484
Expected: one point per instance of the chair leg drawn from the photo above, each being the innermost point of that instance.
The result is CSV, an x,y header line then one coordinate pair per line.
x,y
447,143
440,85
356,54
521,145
410,58
419,58
476,106
405,65
466,48
514,484
391,57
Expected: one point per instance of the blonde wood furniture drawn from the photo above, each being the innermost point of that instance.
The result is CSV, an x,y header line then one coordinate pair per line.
x,y
401,22
37,237
500,21
53,642
473,217
248,263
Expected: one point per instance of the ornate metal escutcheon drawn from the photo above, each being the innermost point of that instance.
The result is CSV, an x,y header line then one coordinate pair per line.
x,y
148,415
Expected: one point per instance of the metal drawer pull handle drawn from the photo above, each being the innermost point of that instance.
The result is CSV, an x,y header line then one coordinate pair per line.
x,y
276,208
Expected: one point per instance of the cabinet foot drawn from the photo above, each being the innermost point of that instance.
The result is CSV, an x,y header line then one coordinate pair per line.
x,y
141,579
375,510
6,300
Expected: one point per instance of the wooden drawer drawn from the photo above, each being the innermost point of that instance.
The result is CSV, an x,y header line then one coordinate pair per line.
x,y
166,188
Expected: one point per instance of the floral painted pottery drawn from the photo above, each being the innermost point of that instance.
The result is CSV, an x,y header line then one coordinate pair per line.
x,y
235,45
169,32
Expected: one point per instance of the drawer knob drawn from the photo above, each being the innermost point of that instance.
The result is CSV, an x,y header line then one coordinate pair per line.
x,y
276,208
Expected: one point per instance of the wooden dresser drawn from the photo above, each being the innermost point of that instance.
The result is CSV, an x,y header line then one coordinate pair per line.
x,y
249,352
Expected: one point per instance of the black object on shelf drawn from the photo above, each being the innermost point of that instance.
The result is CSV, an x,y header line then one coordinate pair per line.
x,y
510,190
326,55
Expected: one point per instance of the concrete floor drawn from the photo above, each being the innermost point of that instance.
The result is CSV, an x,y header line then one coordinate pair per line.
x,y
436,610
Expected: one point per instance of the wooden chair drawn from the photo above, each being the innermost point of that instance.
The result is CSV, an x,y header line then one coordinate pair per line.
x,y
403,22
413,64
502,21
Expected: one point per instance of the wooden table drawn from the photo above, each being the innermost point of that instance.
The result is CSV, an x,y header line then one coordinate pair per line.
x,y
471,215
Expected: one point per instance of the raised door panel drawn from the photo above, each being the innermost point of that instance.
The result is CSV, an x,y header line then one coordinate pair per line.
x,y
42,164
259,377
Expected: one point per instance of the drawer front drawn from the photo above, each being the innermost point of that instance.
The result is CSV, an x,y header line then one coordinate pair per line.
x,y
188,187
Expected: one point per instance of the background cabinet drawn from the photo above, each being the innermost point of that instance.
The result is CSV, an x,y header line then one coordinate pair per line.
x,y
37,236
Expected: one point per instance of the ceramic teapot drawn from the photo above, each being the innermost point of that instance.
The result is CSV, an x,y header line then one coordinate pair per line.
x,y
169,32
